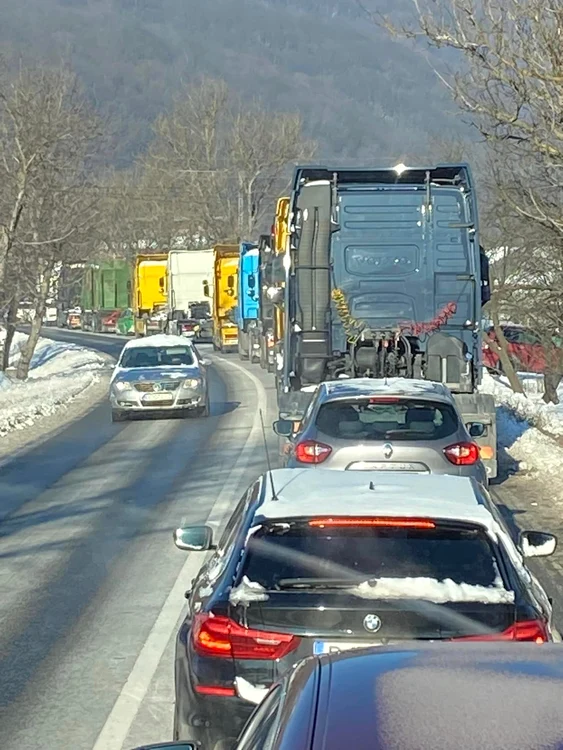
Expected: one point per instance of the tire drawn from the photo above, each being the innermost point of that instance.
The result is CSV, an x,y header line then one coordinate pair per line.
x,y
203,411
252,352
118,416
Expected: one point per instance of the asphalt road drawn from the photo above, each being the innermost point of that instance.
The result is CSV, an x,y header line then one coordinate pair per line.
x,y
91,585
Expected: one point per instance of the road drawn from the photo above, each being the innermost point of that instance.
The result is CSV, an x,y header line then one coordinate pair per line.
x,y
91,584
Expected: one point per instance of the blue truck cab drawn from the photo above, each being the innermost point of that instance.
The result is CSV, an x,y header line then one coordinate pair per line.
x,y
385,277
248,308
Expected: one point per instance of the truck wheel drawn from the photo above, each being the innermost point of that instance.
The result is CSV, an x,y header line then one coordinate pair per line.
x,y
118,416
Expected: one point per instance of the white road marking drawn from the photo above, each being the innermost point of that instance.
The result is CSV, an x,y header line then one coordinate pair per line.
x,y
121,717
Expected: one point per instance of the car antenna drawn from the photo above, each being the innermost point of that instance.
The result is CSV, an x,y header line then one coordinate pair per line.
x,y
268,464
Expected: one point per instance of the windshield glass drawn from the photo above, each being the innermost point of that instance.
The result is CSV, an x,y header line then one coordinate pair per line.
x,y
157,356
376,419
462,556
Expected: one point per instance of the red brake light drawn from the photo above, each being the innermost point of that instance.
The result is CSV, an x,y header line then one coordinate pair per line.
x,y
223,637
462,454
528,630
312,452
383,400
224,692
402,523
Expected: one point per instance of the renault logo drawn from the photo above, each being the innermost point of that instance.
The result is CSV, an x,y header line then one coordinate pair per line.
x,y
387,450
372,623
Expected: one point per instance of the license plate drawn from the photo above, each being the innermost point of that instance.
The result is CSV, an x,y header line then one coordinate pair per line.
x,y
387,466
157,397
335,647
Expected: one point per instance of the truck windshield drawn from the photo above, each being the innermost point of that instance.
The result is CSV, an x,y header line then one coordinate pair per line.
x,y
157,356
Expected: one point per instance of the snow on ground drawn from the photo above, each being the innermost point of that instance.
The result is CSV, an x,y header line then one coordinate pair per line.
x,y
60,371
522,424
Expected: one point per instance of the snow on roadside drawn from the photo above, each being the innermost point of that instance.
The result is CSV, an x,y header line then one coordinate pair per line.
x,y
529,407
522,422
60,371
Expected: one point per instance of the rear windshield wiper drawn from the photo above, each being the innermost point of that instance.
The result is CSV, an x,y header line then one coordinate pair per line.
x,y
318,583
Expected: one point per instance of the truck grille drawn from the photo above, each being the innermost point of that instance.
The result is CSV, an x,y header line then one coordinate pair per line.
x,y
146,387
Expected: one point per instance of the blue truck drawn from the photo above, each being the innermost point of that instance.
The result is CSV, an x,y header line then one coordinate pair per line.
x,y
248,301
385,277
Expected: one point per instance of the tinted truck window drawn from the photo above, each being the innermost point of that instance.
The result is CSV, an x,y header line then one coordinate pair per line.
x,y
463,556
375,419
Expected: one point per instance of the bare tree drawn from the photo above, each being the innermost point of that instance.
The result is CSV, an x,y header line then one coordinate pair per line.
x,y
49,136
216,163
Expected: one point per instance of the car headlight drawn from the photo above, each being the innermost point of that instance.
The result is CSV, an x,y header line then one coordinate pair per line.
x,y
191,383
121,385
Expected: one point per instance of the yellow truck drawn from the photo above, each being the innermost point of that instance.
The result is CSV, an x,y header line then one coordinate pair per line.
x,y
280,237
150,293
225,329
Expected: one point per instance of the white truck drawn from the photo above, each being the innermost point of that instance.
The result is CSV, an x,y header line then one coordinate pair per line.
x,y
189,281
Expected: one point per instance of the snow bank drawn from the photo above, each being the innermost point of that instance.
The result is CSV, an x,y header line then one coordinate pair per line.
x,y
429,589
530,407
522,424
59,372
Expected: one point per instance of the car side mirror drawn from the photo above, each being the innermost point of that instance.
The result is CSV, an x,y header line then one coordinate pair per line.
x,y
206,289
194,538
206,362
171,746
537,543
283,427
477,429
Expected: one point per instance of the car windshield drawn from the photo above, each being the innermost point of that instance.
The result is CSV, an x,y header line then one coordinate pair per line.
x,y
157,356
381,419
360,553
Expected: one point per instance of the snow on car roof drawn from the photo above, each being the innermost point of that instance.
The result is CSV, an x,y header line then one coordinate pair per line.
x,y
322,492
384,386
159,339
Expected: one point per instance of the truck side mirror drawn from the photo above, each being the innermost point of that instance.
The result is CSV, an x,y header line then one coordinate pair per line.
x,y
205,289
251,281
162,283
230,281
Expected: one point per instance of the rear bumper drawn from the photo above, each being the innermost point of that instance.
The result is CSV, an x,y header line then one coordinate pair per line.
x,y
207,719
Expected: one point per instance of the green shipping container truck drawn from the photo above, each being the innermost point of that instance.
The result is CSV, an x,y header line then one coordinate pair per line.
x,y
106,296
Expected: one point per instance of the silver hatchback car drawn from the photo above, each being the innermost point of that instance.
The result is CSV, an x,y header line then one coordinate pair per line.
x,y
384,425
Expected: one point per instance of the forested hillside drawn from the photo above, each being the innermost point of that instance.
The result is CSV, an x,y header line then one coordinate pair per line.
x,y
361,94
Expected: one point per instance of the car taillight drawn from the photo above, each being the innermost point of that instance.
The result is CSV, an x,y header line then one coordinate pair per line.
x,y
224,638
534,631
312,452
462,454
397,523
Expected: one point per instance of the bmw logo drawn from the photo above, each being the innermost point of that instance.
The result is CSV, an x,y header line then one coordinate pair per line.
x,y
372,623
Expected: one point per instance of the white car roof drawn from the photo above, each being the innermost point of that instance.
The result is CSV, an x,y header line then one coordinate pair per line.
x,y
385,386
159,339
325,492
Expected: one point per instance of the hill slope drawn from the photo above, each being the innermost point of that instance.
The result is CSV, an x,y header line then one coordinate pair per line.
x,y
362,95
